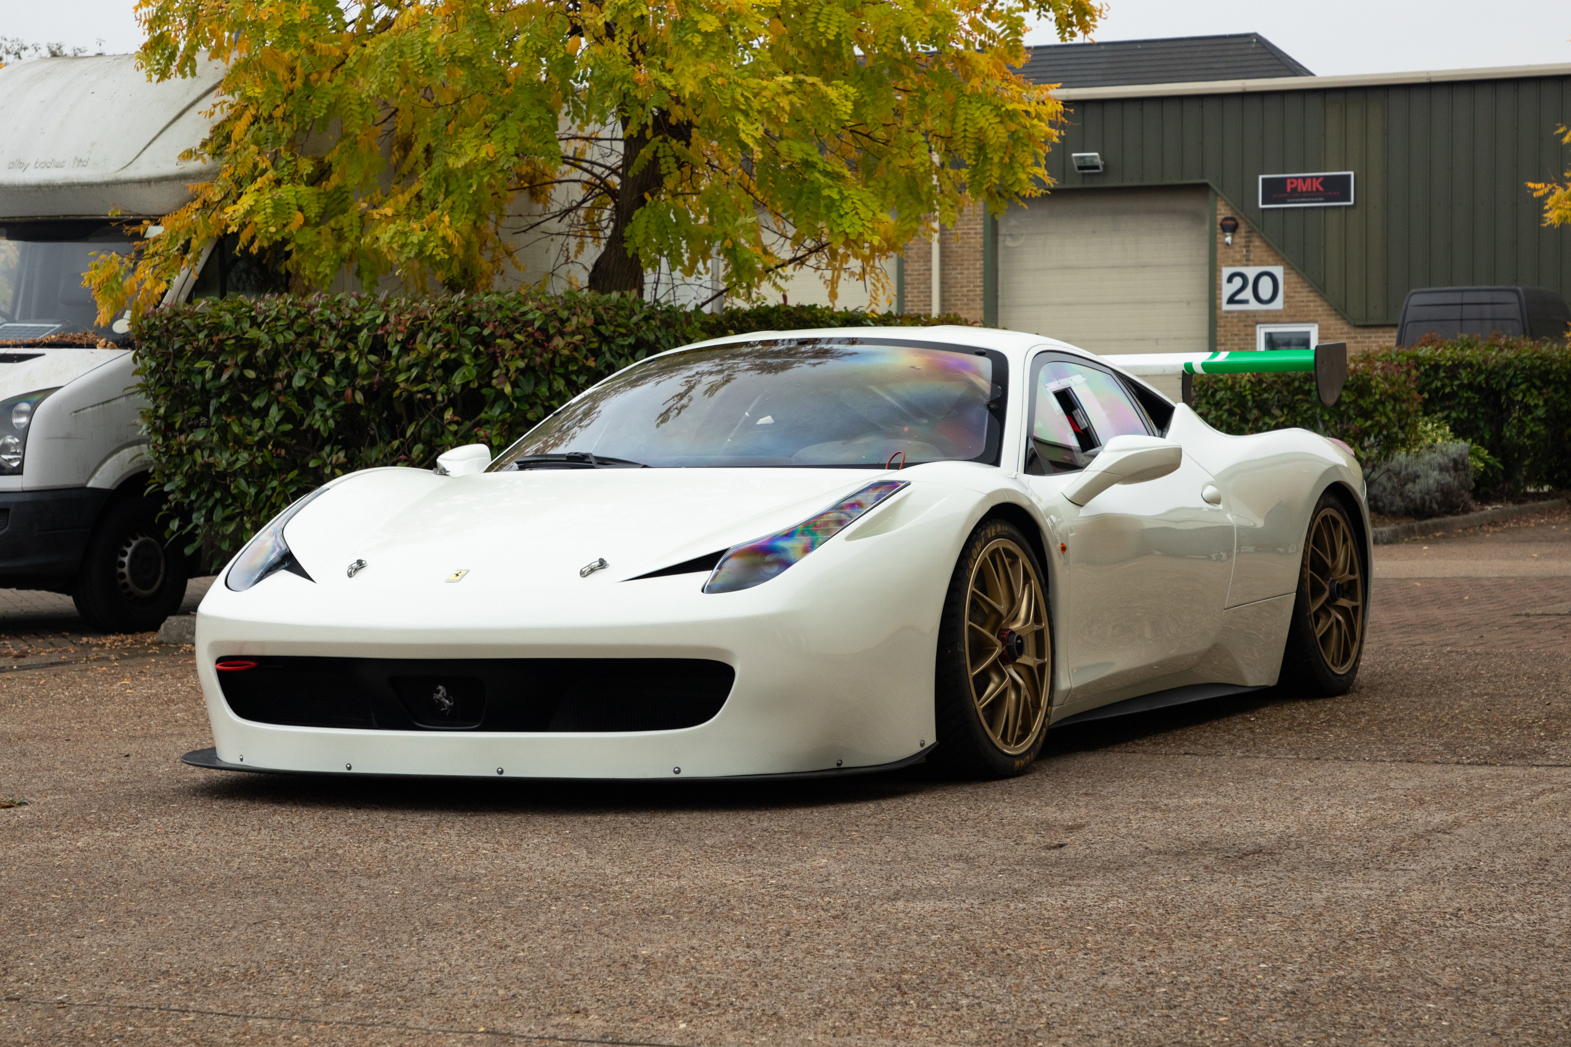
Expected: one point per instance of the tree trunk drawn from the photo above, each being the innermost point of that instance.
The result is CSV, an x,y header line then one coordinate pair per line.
x,y
618,269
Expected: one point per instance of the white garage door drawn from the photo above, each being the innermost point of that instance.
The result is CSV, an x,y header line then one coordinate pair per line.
x,y
1111,270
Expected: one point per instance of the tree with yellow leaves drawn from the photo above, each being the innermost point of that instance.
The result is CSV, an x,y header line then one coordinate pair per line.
x,y
416,136
1556,197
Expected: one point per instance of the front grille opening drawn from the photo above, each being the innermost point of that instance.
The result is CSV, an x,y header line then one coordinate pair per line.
x,y
442,703
522,695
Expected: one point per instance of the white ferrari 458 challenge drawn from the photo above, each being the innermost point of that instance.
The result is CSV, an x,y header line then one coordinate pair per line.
x,y
798,553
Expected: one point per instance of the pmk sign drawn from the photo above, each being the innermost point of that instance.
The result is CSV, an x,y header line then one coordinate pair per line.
x,y
1325,189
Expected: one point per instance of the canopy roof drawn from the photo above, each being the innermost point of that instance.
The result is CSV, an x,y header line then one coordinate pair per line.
x,y
80,137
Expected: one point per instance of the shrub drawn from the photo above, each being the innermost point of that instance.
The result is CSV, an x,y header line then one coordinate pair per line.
x,y
1435,481
1378,413
1433,431
256,401
1511,397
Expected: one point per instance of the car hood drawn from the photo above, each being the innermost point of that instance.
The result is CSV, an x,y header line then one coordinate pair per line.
x,y
536,529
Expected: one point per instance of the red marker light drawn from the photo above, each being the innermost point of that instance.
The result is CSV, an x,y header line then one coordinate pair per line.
x,y
230,665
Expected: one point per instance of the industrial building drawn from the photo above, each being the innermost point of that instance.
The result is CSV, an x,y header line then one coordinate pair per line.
x,y
1211,193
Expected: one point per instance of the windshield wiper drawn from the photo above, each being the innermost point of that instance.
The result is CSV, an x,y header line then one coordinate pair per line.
x,y
576,460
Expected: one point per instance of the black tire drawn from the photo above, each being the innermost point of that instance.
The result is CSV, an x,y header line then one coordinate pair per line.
x,y
977,647
1325,642
129,582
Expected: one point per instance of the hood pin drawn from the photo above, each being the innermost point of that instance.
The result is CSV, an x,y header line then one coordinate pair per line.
x,y
356,567
592,566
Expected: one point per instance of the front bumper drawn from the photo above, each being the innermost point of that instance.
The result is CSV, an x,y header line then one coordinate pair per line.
x,y
834,666
43,535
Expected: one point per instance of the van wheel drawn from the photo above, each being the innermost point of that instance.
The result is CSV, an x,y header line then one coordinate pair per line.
x,y
130,581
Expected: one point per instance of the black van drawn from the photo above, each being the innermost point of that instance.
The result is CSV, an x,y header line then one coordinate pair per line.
x,y
1511,311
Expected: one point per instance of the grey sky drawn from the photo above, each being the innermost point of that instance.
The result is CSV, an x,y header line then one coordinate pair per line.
x,y
1331,37
1337,37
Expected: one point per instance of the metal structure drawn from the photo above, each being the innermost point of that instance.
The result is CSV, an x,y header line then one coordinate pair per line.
x,y
1441,161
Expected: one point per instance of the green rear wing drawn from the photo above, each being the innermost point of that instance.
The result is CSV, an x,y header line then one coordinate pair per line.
x,y
1327,361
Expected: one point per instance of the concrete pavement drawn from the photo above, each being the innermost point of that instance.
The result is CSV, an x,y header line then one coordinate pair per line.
x,y
1386,867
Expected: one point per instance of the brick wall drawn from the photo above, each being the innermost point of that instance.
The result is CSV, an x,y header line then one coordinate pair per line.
x,y
1301,302
961,261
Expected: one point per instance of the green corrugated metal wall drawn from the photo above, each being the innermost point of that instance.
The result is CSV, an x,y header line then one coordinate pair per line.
x,y
1439,180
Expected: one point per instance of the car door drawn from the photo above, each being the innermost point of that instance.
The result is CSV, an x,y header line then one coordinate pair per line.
x,y
1148,564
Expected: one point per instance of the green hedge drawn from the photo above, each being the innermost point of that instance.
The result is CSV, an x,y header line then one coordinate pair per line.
x,y
1377,414
256,401
1511,397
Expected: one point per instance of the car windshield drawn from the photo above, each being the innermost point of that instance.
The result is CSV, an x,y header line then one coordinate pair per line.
x,y
41,267
784,403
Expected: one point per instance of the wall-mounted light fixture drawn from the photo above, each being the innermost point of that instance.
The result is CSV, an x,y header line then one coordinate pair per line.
x,y
1229,226
1087,163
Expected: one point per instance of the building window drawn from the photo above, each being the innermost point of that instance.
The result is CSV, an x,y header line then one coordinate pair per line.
x,y
1286,336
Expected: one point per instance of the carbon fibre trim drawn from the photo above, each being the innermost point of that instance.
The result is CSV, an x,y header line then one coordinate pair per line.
x,y
208,759
1198,692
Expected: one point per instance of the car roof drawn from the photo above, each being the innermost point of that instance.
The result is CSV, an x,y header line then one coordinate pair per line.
x,y
1011,343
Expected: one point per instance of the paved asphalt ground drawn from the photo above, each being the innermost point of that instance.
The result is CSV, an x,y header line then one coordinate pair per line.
x,y
1388,867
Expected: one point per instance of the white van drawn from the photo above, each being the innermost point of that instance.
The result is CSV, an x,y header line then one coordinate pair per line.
x,y
87,148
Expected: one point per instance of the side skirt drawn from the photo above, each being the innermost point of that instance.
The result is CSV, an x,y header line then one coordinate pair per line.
x,y
1195,692
208,758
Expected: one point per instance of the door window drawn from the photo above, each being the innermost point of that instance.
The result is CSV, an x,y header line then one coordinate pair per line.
x,y
1075,409
231,270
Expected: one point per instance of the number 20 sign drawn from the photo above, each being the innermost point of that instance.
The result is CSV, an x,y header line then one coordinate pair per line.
x,y
1251,287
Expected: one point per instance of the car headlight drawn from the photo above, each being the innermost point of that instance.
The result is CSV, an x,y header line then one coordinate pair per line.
x,y
754,563
267,552
16,418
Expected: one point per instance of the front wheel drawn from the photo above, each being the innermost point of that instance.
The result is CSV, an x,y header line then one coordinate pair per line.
x,y
1330,613
130,579
995,658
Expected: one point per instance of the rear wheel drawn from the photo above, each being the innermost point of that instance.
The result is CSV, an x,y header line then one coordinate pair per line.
x,y
1326,640
130,579
995,658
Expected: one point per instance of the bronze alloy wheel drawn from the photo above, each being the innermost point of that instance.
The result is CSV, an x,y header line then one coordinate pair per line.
x,y
1008,656
1334,571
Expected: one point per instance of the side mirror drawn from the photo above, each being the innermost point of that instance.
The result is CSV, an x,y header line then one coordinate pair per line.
x,y
1125,460
461,461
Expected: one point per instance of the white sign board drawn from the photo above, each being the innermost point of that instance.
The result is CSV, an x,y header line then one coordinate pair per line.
x,y
1251,287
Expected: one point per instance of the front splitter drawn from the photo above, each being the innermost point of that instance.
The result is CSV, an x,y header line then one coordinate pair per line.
x,y
208,758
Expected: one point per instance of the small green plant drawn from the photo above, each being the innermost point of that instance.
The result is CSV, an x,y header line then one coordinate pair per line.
x,y
1433,481
1434,431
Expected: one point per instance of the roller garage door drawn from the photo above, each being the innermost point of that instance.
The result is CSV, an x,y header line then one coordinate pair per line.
x,y
1110,270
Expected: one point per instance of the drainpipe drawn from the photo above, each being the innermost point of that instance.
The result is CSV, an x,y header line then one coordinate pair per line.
x,y
938,275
